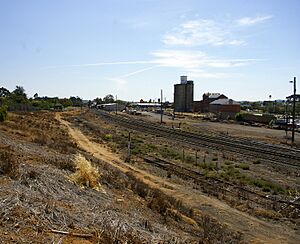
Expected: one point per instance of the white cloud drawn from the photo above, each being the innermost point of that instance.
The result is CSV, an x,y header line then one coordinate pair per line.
x,y
246,21
189,59
198,64
201,32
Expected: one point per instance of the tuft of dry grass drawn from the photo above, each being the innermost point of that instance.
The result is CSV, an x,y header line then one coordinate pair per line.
x,y
85,175
8,163
179,216
269,214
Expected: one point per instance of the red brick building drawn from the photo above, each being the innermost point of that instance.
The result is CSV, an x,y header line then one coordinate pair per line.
x,y
207,98
224,108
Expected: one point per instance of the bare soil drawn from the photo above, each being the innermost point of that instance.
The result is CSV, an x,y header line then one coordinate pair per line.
x,y
137,203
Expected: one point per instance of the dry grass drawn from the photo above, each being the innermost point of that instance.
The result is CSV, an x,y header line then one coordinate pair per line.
x,y
8,163
179,216
86,175
269,214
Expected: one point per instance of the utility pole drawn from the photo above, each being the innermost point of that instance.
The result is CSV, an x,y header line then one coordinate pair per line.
x,y
294,110
161,103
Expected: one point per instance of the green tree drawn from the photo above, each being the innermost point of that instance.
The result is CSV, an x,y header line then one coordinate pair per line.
x,y
108,99
98,100
76,101
4,92
18,95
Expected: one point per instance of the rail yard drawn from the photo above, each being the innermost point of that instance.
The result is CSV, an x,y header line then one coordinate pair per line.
x,y
158,183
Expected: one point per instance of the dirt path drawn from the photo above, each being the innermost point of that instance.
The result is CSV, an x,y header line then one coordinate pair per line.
x,y
255,230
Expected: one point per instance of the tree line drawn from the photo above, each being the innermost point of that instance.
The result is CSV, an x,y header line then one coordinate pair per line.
x,y
17,100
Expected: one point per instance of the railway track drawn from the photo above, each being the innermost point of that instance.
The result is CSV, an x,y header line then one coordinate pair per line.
x,y
262,151
226,190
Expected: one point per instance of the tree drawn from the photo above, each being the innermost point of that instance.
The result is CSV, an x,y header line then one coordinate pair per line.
x,y
36,96
20,91
108,99
98,100
4,92
18,95
76,101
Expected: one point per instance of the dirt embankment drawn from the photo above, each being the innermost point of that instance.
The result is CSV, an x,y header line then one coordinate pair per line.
x,y
253,229
40,204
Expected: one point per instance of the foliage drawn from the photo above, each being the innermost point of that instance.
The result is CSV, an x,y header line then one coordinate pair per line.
x,y
108,137
256,161
3,113
243,166
76,101
239,117
17,101
4,92
108,99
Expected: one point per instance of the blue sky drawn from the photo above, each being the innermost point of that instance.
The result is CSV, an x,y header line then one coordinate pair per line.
x,y
245,49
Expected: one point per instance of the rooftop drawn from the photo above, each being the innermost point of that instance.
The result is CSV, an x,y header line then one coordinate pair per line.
x,y
224,101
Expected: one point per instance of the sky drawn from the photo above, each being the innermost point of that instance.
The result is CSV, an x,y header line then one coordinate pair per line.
x,y
244,49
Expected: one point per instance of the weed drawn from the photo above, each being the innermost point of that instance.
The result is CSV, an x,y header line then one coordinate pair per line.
x,y
189,159
270,214
8,163
267,186
243,166
86,174
257,161
3,113
40,139
108,137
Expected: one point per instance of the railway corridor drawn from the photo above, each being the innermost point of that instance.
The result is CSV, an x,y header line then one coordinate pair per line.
x,y
253,229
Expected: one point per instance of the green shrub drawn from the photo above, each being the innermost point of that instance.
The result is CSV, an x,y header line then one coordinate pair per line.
x,y
257,161
243,166
189,159
239,117
267,186
108,137
3,113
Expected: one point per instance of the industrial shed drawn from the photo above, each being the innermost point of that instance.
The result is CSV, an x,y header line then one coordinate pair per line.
x,y
111,107
225,108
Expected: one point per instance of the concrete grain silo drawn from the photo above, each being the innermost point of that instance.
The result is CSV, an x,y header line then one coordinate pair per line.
x,y
184,95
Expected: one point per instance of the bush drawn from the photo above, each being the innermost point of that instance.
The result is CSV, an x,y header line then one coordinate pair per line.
x,y
108,137
239,117
243,166
3,113
8,163
86,174
257,161
267,186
